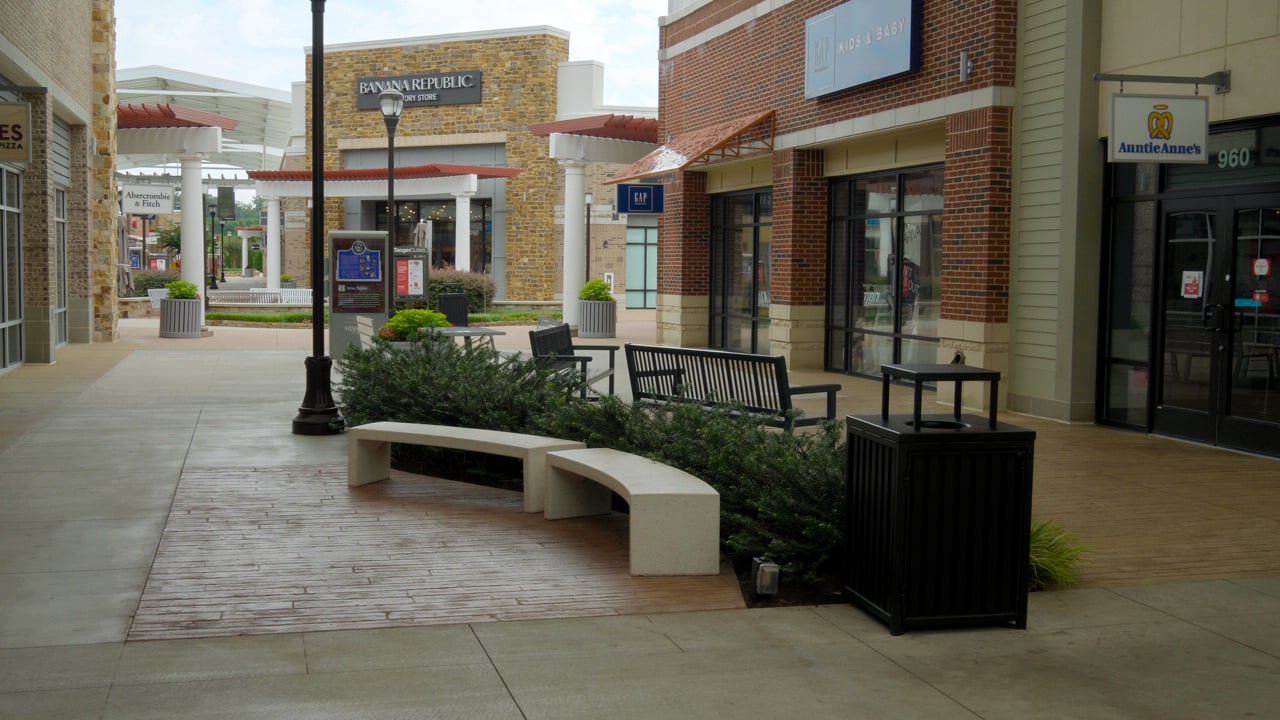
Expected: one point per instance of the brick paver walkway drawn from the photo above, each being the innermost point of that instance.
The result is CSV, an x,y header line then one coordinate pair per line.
x,y
252,551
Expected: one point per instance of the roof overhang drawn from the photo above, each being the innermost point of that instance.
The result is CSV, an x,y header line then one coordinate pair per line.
x,y
169,129
434,179
736,139
612,126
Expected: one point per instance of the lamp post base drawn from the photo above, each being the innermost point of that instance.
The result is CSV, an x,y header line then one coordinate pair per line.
x,y
318,414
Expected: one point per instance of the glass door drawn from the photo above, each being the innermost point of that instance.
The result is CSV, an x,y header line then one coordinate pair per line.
x,y
1219,356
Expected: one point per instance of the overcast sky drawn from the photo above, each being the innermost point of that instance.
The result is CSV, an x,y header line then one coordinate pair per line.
x,y
262,42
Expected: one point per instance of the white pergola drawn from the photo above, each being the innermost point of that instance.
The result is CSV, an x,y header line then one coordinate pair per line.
x,y
263,115
574,143
460,181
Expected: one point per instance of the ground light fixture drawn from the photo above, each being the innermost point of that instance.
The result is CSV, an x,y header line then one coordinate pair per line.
x,y
765,575
318,414
391,101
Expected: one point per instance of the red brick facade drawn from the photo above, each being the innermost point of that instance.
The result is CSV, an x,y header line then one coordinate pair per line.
x,y
759,65
976,215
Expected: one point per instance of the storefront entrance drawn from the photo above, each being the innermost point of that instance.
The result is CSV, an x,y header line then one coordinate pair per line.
x,y
1218,344
1191,343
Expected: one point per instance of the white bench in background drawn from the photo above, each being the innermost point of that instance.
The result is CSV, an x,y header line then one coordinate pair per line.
x,y
675,517
369,451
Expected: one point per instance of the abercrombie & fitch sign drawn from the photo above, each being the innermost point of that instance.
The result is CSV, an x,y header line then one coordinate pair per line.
x,y
454,88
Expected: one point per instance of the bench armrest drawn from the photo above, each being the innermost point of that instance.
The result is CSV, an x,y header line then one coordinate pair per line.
x,y
611,348
830,390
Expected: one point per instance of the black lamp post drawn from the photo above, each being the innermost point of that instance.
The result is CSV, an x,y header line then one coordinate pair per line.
x,y
392,103
212,277
588,238
318,414
222,253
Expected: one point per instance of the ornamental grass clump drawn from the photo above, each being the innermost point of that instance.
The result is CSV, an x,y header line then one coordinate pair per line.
x,y
1055,556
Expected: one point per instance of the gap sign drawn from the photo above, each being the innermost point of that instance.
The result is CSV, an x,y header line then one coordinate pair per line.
x,y
640,199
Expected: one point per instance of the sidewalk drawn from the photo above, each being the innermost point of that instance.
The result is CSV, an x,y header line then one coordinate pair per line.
x,y
106,452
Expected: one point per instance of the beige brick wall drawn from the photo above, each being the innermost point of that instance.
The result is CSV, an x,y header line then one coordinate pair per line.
x,y
53,35
519,89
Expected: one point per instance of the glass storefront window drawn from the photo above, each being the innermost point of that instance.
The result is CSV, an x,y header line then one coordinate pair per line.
x,y
741,271
884,270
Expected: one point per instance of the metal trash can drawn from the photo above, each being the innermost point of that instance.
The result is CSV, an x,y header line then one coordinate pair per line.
x,y
454,307
938,511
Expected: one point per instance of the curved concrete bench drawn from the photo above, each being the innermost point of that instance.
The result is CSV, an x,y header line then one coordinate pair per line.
x,y
369,451
675,517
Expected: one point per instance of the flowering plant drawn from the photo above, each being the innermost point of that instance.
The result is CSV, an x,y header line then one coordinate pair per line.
x,y
404,324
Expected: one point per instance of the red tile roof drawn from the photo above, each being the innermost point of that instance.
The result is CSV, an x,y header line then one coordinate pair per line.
x,y
617,127
137,116
408,172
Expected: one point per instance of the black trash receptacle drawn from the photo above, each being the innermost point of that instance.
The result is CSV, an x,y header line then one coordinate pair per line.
x,y
454,307
938,511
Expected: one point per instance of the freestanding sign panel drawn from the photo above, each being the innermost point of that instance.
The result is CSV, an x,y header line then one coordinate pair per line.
x,y
1158,128
359,288
640,198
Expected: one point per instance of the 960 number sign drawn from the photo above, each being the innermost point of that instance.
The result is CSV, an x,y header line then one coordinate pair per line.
x,y
1234,158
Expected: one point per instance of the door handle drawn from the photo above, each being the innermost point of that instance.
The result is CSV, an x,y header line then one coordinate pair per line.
x,y
1211,317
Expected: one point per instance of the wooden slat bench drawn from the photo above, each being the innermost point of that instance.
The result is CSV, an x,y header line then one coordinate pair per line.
x,y
675,517
757,383
369,451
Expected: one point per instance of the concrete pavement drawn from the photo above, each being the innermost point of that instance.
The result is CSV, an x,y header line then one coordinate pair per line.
x,y
92,450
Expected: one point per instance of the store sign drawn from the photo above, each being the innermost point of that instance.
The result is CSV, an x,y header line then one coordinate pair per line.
x,y
146,199
455,88
1155,128
640,199
15,132
860,42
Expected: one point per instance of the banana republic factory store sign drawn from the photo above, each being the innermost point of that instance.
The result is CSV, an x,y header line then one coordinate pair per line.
x,y
454,88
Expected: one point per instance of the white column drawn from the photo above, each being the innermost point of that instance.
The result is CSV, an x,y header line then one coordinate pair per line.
x,y
462,231
271,266
575,246
191,244
244,253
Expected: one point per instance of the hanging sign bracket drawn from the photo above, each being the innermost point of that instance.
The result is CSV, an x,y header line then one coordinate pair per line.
x,y
1221,80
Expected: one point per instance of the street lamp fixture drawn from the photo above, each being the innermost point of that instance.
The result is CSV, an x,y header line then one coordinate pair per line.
x,y
392,103
212,277
588,238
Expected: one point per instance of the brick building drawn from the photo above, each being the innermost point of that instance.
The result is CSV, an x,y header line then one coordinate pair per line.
x,y
855,183
58,224
476,97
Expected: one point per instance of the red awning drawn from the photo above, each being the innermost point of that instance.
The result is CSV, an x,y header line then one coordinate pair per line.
x,y
614,127
408,172
740,138
139,116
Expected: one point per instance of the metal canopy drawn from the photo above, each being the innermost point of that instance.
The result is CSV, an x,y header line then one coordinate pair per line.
x,y
257,143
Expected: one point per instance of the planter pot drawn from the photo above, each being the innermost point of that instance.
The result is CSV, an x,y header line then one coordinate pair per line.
x,y
599,319
180,317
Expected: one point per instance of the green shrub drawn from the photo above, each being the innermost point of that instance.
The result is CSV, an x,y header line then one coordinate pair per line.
x,y
1055,556
144,280
595,290
183,290
404,324
284,278
479,288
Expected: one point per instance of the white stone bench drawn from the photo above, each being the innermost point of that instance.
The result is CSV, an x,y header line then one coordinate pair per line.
x,y
675,517
369,451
